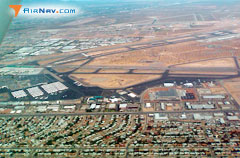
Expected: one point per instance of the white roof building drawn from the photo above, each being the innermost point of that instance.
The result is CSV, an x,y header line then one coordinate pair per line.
x,y
35,92
123,106
93,106
18,111
202,117
42,108
132,95
218,114
221,120
188,84
19,94
70,107
183,116
148,105
158,116
214,96
233,118
53,107
54,87
116,100
112,106
19,107
168,84
202,106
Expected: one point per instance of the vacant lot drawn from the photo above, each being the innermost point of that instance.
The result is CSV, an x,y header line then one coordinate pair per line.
x,y
112,80
233,87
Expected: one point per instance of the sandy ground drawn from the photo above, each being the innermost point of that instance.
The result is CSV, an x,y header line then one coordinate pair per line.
x,y
112,71
233,87
113,81
106,51
45,62
170,55
224,62
85,70
77,63
62,70
217,90
148,71
201,72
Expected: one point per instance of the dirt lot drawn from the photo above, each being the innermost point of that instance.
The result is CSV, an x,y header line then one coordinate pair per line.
x,y
168,55
113,81
85,70
62,70
223,62
148,71
233,87
45,62
76,63
112,71
194,73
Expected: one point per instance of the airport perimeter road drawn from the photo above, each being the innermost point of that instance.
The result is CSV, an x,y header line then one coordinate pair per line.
x,y
115,113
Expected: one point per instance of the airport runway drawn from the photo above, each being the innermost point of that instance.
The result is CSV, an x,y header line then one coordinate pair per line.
x,y
142,45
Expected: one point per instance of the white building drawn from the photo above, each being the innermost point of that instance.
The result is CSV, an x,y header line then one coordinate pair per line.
x,y
19,94
168,84
233,118
188,85
202,117
123,106
148,105
159,117
112,106
35,92
214,96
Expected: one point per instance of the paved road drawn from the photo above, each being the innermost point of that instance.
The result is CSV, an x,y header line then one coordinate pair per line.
x,y
115,113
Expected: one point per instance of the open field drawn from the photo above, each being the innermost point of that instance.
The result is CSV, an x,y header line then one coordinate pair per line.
x,y
62,70
113,81
85,70
148,71
201,73
77,63
165,55
112,71
222,62
233,87
48,61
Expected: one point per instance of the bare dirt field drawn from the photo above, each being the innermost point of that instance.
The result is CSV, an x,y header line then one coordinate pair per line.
x,y
166,56
76,63
85,70
113,81
223,62
45,62
233,87
112,71
62,70
201,73
106,51
148,71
